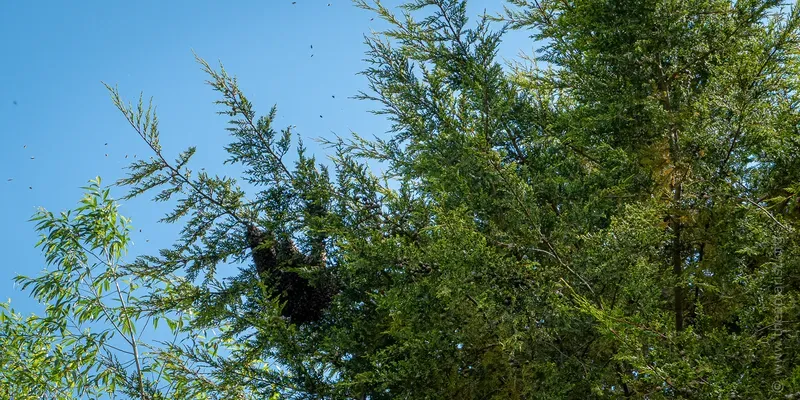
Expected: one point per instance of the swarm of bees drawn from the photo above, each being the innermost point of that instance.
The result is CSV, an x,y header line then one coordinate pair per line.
x,y
276,260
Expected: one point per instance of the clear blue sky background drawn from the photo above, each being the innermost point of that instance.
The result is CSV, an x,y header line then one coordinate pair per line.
x,y
55,55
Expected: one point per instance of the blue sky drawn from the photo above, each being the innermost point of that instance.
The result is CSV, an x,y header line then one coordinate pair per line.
x,y
54,108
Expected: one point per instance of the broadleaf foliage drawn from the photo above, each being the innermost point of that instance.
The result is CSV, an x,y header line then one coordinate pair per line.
x,y
615,216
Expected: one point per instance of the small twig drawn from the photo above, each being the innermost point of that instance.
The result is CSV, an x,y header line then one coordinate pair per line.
x,y
769,214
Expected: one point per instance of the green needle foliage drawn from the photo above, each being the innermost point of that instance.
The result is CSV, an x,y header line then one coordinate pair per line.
x,y
616,217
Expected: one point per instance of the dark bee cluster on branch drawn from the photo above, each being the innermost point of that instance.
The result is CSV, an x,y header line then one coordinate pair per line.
x,y
276,260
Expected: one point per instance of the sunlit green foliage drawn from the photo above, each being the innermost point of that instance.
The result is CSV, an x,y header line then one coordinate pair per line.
x,y
616,216
88,343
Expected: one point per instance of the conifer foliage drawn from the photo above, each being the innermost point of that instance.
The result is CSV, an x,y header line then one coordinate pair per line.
x,y
614,216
